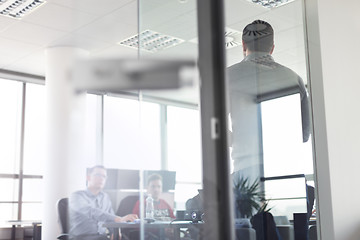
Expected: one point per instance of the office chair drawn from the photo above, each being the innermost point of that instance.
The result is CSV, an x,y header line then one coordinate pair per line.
x,y
127,205
63,218
310,199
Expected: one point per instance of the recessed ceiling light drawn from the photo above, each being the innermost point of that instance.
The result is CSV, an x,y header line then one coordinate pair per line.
x,y
270,3
232,38
18,8
151,41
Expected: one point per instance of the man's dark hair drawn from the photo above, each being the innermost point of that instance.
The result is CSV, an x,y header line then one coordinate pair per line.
x,y
154,177
90,170
258,36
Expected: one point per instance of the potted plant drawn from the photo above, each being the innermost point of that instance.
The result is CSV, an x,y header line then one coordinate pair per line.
x,y
249,198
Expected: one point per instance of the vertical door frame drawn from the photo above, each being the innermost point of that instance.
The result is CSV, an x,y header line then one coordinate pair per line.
x,y
218,200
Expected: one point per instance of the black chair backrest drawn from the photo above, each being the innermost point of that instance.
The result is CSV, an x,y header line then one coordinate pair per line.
x,y
310,199
63,214
127,205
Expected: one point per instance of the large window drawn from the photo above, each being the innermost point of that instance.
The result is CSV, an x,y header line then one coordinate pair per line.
x,y
10,137
184,152
285,155
282,138
131,134
34,135
120,133
93,130
22,153
10,107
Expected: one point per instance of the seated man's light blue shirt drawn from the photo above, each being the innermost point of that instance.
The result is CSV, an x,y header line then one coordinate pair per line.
x,y
88,212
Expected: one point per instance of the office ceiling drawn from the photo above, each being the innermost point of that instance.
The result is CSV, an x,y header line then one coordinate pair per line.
x,y
98,25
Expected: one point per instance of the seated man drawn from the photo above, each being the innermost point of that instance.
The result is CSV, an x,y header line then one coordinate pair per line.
x,y
195,203
161,208
90,208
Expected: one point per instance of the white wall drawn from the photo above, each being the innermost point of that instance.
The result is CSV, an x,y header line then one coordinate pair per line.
x,y
339,25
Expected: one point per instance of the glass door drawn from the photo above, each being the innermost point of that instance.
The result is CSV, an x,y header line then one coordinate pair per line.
x,y
267,87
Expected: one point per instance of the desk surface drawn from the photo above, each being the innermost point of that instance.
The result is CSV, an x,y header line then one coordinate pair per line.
x,y
156,224
20,222
160,225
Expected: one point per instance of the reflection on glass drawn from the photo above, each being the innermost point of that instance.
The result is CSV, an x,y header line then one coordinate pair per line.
x,y
10,104
34,142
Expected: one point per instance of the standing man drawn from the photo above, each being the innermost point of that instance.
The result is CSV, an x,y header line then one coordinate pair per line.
x,y
90,208
161,208
255,79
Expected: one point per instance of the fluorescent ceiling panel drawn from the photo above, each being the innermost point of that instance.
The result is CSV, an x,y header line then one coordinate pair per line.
x,y
151,41
270,3
18,8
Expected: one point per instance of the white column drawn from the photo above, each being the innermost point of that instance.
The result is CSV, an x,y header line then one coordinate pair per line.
x,y
65,166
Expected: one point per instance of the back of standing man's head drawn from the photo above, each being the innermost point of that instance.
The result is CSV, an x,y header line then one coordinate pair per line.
x,y
258,36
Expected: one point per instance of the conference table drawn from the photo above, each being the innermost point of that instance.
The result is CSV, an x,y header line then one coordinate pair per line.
x,y
160,227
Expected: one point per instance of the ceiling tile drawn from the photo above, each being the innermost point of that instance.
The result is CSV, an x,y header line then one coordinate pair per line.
x,y
183,50
115,51
240,11
127,14
26,64
289,38
163,12
11,50
288,57
184,27
108,30
59,18
291,12
234,55
96,7
31,33
6,22
80,41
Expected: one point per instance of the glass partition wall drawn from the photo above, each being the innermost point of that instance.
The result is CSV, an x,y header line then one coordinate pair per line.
x,y
220,158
